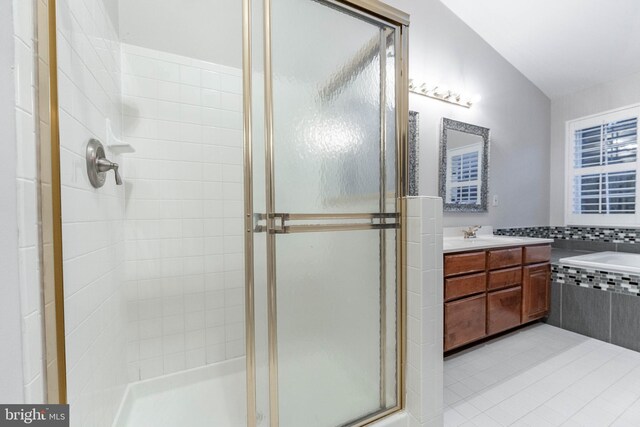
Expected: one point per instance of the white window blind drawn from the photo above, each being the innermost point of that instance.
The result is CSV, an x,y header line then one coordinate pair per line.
x,y
603,169
463,182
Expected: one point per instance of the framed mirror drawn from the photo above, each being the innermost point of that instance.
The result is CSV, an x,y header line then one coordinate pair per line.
x,y
464,166
413,169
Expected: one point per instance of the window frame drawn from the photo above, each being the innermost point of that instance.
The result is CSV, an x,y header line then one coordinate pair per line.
x,y
571,172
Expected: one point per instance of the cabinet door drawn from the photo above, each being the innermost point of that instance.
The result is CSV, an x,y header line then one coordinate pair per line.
x,y
464,321
535,291
504,309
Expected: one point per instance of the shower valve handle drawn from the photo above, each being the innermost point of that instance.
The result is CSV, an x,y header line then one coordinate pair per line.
x,y
105,165
98,165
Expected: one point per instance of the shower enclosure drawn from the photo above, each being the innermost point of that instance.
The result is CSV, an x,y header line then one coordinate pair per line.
x,y
323,100
249,271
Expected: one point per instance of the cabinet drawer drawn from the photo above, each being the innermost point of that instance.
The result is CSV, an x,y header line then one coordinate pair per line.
x,y
464,285
504,309
468,262
502,258
499,279
464,321
537,254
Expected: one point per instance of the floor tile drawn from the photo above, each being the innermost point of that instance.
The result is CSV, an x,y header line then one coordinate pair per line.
x,y
450,397
483,420
466,409
452,418
543,376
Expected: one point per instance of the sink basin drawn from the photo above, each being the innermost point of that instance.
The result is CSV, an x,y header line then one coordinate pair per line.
x,y
484,240
502,240
451,244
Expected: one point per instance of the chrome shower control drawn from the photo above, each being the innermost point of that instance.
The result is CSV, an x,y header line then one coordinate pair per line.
x,y
98,165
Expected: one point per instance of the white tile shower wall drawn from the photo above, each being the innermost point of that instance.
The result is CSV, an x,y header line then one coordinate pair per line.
x,y
27,186
184,248
92,219
12,384
424,312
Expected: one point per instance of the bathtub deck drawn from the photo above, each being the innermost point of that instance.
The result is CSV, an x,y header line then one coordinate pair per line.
x,y
620,262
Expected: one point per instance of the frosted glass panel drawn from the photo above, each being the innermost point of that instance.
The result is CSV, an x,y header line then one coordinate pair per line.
x,y
327,127
329,327
334,136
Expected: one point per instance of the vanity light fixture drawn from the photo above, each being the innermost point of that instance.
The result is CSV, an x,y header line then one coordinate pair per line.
x,y
443,94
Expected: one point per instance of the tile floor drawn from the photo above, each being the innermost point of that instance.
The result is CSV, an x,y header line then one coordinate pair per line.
x,y
543,376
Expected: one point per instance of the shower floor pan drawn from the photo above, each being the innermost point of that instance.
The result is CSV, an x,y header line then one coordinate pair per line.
x,y
212,395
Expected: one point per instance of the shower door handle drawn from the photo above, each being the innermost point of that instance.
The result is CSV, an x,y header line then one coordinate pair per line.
x,y
280,222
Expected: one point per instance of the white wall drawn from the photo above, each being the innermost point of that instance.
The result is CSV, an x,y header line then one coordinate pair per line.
x,y
92,219
597,99
112,7
210,30
10,316
445,50
184,247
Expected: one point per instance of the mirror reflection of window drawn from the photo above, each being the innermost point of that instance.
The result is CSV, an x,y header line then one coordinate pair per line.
x,y
465,176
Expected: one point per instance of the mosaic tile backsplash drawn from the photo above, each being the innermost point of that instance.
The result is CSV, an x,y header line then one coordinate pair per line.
x,y
621,283
596,234
540,232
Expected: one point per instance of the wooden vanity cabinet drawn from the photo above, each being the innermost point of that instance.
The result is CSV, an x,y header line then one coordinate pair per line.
x,y
504,278
503,309
464,263
536,254
535,291
502,258
490,291
465,320
461,286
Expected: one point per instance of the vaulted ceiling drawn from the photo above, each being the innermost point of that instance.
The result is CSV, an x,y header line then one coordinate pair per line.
x,y
562,46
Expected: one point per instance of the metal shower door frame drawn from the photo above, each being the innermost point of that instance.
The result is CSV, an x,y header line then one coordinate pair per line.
x,y
399,21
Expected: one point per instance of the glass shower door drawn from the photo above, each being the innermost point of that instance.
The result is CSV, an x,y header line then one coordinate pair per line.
x,y
328,227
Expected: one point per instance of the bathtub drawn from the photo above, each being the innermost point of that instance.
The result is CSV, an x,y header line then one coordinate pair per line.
x,y
620,262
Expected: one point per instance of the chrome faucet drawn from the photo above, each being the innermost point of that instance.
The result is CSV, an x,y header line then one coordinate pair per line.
x,y
470,233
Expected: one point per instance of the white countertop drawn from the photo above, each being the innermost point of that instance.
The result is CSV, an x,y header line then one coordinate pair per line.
x,y
460,244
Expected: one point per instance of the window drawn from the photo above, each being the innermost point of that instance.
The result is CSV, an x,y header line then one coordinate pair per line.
x,y
463,181
602,169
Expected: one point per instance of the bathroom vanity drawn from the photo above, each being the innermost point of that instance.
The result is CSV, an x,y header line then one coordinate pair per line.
x,y
493,284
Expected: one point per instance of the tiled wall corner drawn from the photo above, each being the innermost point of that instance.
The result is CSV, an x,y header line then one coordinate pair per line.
x,y
92,219
27,192
184,247
424,311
